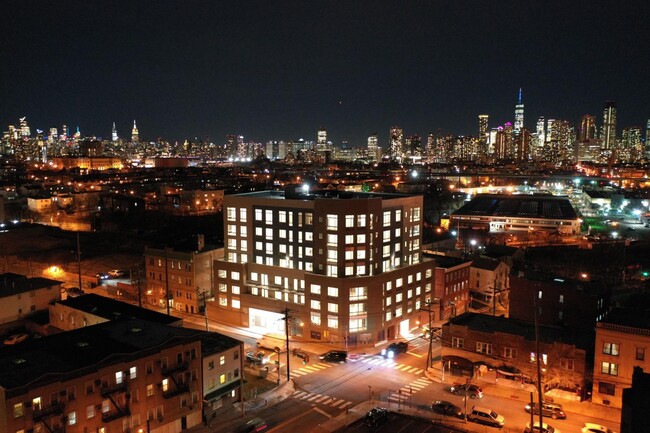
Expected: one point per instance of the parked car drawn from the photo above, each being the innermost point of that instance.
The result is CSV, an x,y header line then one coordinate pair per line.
x,y
483,415
473,391
376,417
255,357
549,410
334,356
73,292
115,273
545,428
446,408
590,427
15,339
394,349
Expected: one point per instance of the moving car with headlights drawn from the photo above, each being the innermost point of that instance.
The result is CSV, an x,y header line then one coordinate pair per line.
x,y
376,417
334,356
549,410
394,349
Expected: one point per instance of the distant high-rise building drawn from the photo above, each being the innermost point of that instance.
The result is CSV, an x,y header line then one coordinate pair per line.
x,y
322,137
647,140
65,133
396,143
242,149
413,147
559,141
508,131
519,114
587,128
135,135
24,128
522,145
77,134
608,130
483,126
500,144
54,135
541,134
231,145
632,146
373,148
114,134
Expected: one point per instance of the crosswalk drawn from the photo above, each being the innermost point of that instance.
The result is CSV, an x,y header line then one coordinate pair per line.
x,y
388,363
407,390
326,400
310,369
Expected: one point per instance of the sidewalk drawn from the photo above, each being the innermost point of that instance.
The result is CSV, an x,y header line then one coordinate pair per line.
x,y
516,391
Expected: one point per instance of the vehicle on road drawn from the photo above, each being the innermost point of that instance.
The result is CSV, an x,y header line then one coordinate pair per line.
x,y
590,427
115,273
394,349
254,425
549,410
376,417
545,428
473,391
102,276
255,357
446,408
484,415
15,339
334,356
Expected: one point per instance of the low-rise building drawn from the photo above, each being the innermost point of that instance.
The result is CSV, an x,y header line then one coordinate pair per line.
x,y
622,344
509,345
91,309
451,287
21,296
182,273
489,278
497,213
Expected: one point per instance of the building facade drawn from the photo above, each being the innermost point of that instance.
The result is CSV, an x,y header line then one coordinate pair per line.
x,y
21,296
347,266
182,274
622,344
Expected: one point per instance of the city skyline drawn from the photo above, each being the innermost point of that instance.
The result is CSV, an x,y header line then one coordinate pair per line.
x,y
280,73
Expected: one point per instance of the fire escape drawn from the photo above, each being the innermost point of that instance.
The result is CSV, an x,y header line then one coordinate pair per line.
x,y
46,415
179,375
119,397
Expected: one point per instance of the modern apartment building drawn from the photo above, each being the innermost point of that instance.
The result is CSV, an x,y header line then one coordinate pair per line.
x,y
622,343
347,266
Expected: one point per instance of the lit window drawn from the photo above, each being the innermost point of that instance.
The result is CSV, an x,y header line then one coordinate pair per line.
x,y
349,239
361,220
150,390
19,410
386,218
398,312
332,255
315,289
236,303
332,239
610,349
242,215
358,324
165,385
349,221
258,214
282,216
90,411
333,322
386,237
222,378
333,292
332,307
357,308
72,418
398,215
268,216
349,254
332,222
361,239
609,368
315,319
315,305
231,213
399,282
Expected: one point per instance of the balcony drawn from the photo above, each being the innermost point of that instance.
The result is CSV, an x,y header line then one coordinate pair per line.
x,y
112,389
115,414
182,388
48,412
183,366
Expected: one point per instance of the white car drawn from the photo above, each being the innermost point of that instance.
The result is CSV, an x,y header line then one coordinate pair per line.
x,y
545,428
595,428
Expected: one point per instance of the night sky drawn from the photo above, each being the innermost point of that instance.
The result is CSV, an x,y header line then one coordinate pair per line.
x,y
282,69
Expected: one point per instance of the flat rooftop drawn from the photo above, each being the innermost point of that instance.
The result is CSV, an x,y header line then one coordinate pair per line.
x,y
321,194
519,206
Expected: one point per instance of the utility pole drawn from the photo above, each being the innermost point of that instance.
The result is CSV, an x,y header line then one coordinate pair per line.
x,y
537,358
166,282
286,334
496,290
431,315
79,260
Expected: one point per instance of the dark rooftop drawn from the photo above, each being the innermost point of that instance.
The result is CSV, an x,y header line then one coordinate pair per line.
x,y
111,309
634,318
547,334
447,261
521,206
13,284
485,263
85,350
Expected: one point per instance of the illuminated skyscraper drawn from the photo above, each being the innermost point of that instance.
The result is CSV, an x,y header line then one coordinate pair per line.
x,y
632,148
500,144
522,145
231,146
373,148
647,140
322,137
24,128
587,128
54,136
242,148
483,126
135,135
540,136
519,114
114,133
396,143
608,130
508,131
